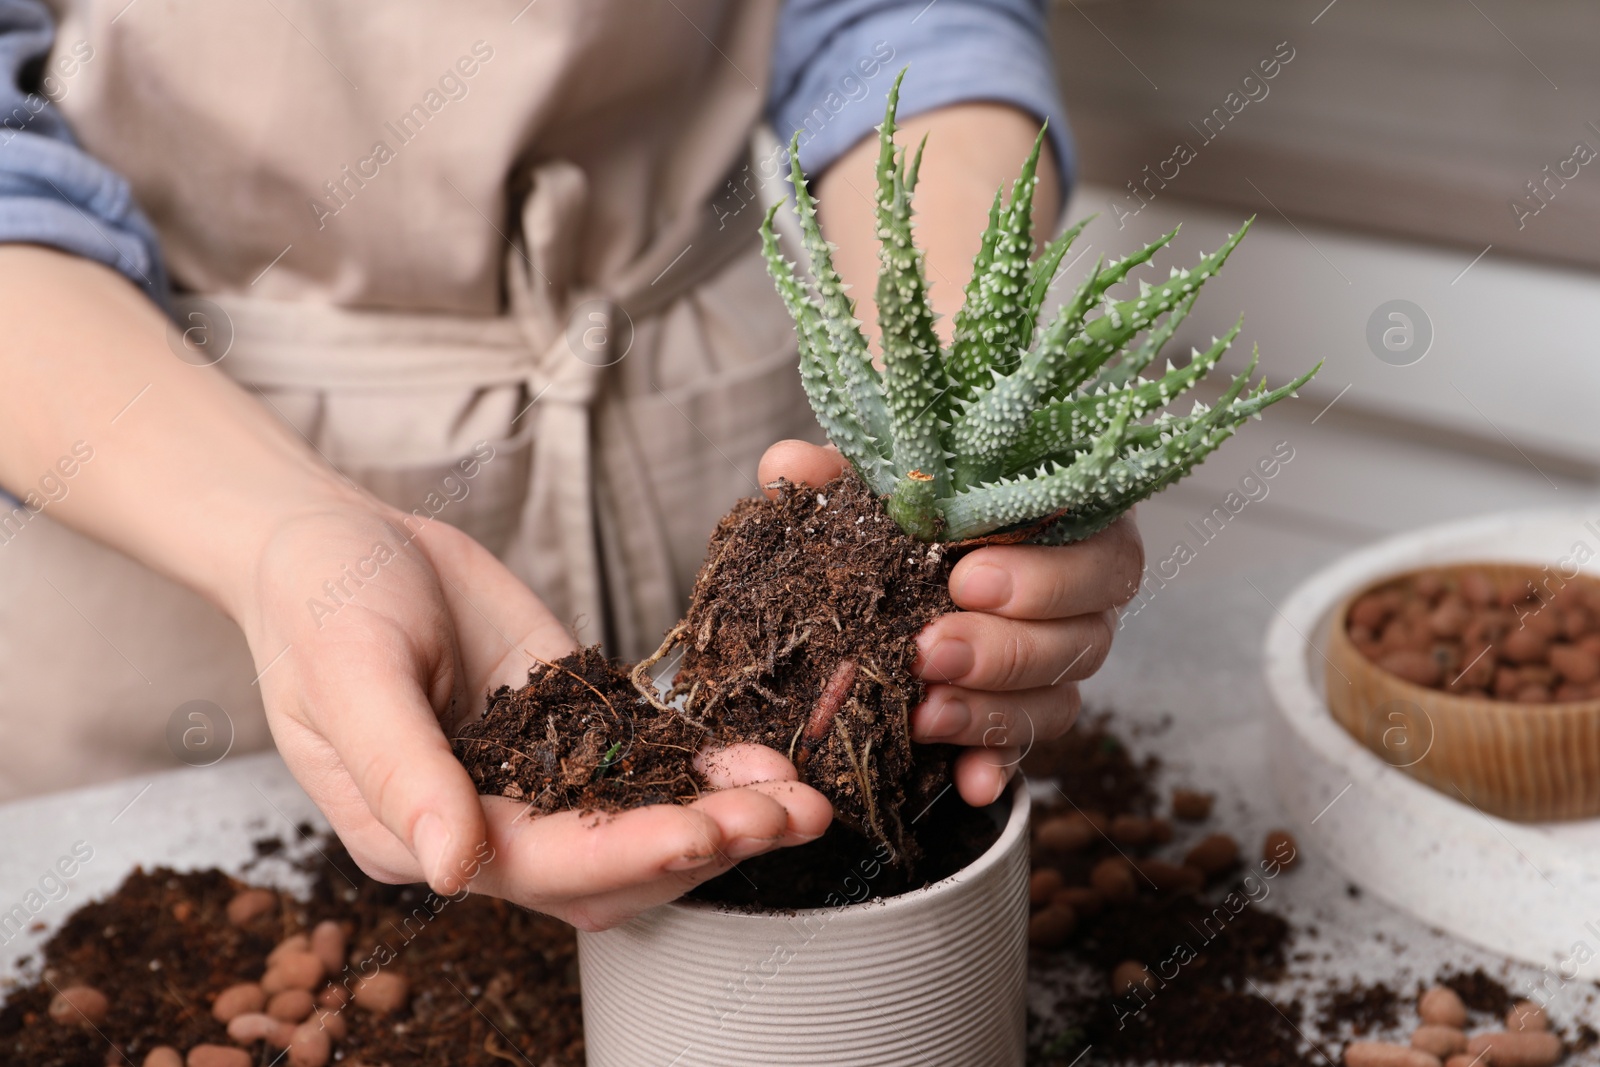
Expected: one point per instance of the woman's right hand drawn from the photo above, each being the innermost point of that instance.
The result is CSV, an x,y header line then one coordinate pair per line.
x,y
361,690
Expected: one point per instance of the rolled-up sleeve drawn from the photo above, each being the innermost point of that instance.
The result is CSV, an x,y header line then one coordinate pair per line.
x,y
834,61
52,192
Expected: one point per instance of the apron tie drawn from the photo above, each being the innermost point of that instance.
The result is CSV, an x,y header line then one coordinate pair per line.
x,y
584,553
570,335
622,535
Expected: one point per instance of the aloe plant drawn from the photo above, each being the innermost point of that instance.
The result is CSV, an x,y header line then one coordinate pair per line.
x,y
1010,425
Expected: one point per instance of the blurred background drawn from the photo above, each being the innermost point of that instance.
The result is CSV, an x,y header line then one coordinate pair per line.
x,y
1432,160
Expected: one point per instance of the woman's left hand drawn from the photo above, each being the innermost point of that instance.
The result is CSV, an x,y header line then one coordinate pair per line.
x,y
1002,673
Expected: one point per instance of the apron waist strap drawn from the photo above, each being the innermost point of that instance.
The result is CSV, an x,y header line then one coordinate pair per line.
x,y
303,345
293,345
557,341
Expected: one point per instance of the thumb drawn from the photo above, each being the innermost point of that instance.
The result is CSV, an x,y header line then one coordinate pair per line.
x,y
800,462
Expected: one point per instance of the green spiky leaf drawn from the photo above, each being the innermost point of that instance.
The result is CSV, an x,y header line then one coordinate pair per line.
x,y
1104,336
1031,497
1133,363
970,359
914,379
1042,275
819,375
1034,433
857,378
988,428
1170,455
1055,427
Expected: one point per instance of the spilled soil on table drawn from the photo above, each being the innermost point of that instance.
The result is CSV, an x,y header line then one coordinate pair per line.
x,y
1117,886
490,983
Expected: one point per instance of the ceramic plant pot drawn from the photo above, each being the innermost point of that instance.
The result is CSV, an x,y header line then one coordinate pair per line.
x,y
1528,762
937,975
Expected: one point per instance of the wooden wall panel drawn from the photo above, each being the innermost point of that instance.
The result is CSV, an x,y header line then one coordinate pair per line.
x,y
1425,119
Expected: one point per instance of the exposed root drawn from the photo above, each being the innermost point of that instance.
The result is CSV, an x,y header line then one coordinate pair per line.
x,y
744,682
496,744
716,561
662,744
641,672
492,1047
703,638
795,740
711,705
640,677
796,639
900,834
859,764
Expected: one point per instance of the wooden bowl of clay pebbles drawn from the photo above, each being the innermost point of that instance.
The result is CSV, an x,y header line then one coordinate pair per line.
x,y
1481,680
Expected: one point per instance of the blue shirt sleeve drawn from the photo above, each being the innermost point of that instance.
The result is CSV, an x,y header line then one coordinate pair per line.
x,y
834,60
52,192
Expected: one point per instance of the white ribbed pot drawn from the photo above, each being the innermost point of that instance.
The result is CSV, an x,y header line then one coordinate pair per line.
x,y
937,975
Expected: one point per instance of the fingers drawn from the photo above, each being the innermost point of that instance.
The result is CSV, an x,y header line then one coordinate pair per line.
x,y
550,862
321,773
608,909
799,462
979,651
982,773
500,624
605,910
956,716
807,810
736,765
385,734
1052,581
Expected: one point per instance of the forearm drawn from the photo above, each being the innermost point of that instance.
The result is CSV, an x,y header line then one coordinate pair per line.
x,y
973,149
190,474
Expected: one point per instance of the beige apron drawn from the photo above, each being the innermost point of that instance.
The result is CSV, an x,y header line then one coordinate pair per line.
x,y
563,285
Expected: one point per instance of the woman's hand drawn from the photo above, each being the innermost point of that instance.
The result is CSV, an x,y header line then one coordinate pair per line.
x,y
204,483
375,639
1002,673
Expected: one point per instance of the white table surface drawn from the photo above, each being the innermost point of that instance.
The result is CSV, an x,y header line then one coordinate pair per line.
x,y
188,818
1192,655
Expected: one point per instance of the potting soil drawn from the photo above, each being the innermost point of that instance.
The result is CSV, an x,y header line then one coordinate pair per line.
x,y
800,636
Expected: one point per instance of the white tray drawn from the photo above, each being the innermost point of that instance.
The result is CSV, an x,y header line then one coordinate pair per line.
x,y
1530,891
185,819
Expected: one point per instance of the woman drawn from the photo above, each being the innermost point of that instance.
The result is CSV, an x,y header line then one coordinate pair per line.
x,y
482,349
